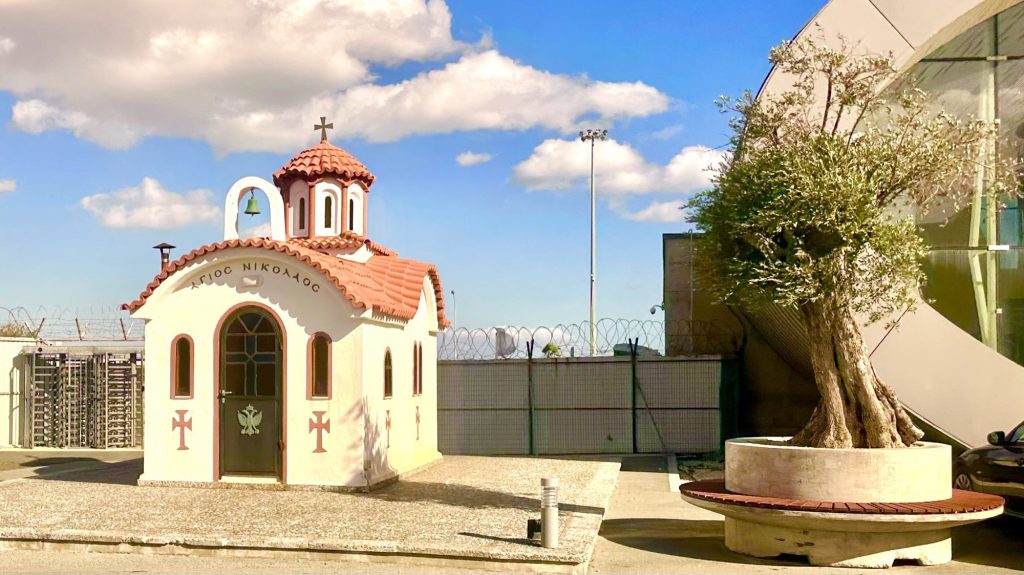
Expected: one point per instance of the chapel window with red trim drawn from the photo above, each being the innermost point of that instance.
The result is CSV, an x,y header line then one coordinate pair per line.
x,y
182,366
328,210
320,366
417,376
388,386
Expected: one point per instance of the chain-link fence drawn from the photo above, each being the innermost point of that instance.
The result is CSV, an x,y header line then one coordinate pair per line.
x,y
630,404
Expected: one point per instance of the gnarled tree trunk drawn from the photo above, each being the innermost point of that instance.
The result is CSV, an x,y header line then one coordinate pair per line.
x,y
856,409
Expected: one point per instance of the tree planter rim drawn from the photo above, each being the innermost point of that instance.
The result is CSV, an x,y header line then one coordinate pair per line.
x,y
779,442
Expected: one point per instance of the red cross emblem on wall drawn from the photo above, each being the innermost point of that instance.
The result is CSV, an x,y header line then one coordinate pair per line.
x,y
387,425
181,424
320,426
417,423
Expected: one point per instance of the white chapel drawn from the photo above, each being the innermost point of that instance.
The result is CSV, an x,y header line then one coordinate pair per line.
x,y
303,359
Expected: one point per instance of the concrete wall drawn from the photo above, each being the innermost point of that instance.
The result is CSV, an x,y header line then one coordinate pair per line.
x,y
776,396
580,405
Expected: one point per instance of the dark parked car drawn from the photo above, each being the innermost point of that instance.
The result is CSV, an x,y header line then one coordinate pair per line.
x,y
997,468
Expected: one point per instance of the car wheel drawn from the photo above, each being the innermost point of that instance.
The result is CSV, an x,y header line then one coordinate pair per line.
x,y
963,481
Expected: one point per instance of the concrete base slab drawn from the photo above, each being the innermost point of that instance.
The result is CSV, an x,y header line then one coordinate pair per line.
x,y
435,561
838,548
467,512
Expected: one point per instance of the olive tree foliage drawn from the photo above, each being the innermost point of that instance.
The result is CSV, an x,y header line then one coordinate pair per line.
x,y
805,213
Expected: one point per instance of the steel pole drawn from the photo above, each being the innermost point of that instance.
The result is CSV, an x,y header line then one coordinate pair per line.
x,y
593,254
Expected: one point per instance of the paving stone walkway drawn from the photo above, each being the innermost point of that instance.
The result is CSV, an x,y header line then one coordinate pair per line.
x,y
463,507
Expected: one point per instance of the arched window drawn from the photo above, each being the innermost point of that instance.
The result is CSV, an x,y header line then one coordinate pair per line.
x,y
328,210
181,367
387,374
351,214
417,368
320,367
302,213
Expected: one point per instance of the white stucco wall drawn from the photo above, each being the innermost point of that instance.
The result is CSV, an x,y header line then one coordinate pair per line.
x,y
236,194
406,452
328,188
356,198
13,403
195,299
178,307
298,194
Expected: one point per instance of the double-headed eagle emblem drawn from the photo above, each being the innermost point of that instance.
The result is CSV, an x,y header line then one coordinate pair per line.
x,y
250,420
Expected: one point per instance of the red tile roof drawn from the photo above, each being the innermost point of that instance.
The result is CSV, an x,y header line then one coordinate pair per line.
x,y
324,159
346,240
385,284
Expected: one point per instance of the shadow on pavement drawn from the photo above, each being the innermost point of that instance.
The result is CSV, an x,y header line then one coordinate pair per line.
x,y
516,540
44,462
993,543
645,463
92,471
996,542
693,539
466,496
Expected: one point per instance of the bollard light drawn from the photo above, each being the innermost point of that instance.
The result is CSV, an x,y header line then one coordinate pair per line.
x,y
549,512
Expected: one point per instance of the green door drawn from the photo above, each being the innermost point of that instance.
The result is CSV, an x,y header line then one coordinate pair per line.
x,y
250,394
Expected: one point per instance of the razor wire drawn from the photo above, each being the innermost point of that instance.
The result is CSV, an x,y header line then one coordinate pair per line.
x,y
573,340
63,325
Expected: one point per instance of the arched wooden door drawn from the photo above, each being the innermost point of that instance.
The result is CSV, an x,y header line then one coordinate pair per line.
x,y
250,392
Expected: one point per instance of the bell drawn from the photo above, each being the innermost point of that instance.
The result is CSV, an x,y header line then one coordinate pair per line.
x,y
252,207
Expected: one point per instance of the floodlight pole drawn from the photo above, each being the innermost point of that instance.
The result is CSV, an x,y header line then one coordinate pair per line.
x,y
592,136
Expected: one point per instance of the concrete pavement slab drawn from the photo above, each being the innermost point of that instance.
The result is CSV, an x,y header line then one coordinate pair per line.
x,y
465,508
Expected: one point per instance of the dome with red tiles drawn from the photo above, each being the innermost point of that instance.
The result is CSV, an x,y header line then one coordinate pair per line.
x,y
325,159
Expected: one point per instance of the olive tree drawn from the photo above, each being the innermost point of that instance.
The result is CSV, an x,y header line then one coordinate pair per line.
x,y
805,212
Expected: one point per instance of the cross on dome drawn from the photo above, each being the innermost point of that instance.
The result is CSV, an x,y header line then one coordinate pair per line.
x,y
323,127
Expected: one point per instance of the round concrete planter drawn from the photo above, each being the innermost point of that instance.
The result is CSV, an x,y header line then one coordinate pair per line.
x,y
766,467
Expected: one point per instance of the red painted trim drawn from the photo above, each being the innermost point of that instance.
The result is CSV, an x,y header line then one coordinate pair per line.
x,y
310,367
191,367
215,388
387,355
320,426
180,425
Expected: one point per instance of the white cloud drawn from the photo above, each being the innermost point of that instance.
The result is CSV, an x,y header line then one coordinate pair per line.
x,y
619,169
667,132
149,205
671,211
260,231
472,158
7,186
6,44
255,75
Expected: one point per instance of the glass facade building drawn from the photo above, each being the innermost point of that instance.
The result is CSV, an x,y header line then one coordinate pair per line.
x,y
976,256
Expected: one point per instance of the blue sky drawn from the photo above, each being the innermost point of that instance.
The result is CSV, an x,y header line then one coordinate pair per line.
x,y
113,142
